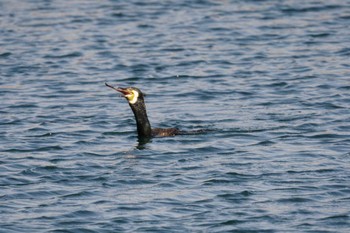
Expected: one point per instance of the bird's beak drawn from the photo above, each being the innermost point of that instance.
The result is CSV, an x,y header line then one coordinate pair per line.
x,y
124,91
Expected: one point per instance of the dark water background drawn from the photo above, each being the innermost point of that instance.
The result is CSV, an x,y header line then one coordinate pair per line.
x,y
270,78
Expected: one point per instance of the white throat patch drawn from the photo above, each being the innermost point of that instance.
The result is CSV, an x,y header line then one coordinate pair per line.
x,y
134,95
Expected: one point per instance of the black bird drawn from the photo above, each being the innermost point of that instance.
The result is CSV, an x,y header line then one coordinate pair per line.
x,y
137,104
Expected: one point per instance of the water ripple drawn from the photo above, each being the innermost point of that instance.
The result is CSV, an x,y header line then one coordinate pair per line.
x,y
267,81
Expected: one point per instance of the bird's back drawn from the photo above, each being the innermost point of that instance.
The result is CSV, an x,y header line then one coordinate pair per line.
x,y
159,132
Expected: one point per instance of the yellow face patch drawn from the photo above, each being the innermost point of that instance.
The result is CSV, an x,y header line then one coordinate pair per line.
x,y
132,96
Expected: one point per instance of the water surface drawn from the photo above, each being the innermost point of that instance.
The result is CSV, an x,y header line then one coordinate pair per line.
x,y
270,80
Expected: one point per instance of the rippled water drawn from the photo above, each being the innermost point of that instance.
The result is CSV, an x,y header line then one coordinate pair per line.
x,y
269,79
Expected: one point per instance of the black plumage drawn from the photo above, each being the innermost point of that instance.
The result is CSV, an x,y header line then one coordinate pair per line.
x,y
137,104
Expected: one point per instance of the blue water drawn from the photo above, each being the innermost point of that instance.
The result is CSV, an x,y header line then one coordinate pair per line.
x,y
269,82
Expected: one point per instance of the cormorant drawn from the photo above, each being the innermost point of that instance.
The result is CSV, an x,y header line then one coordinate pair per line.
x,y
137,104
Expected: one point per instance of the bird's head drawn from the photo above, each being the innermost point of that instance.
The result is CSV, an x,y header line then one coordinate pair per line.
x,y
132,94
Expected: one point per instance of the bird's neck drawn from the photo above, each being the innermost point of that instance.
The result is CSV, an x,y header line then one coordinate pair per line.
x,y
142,122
